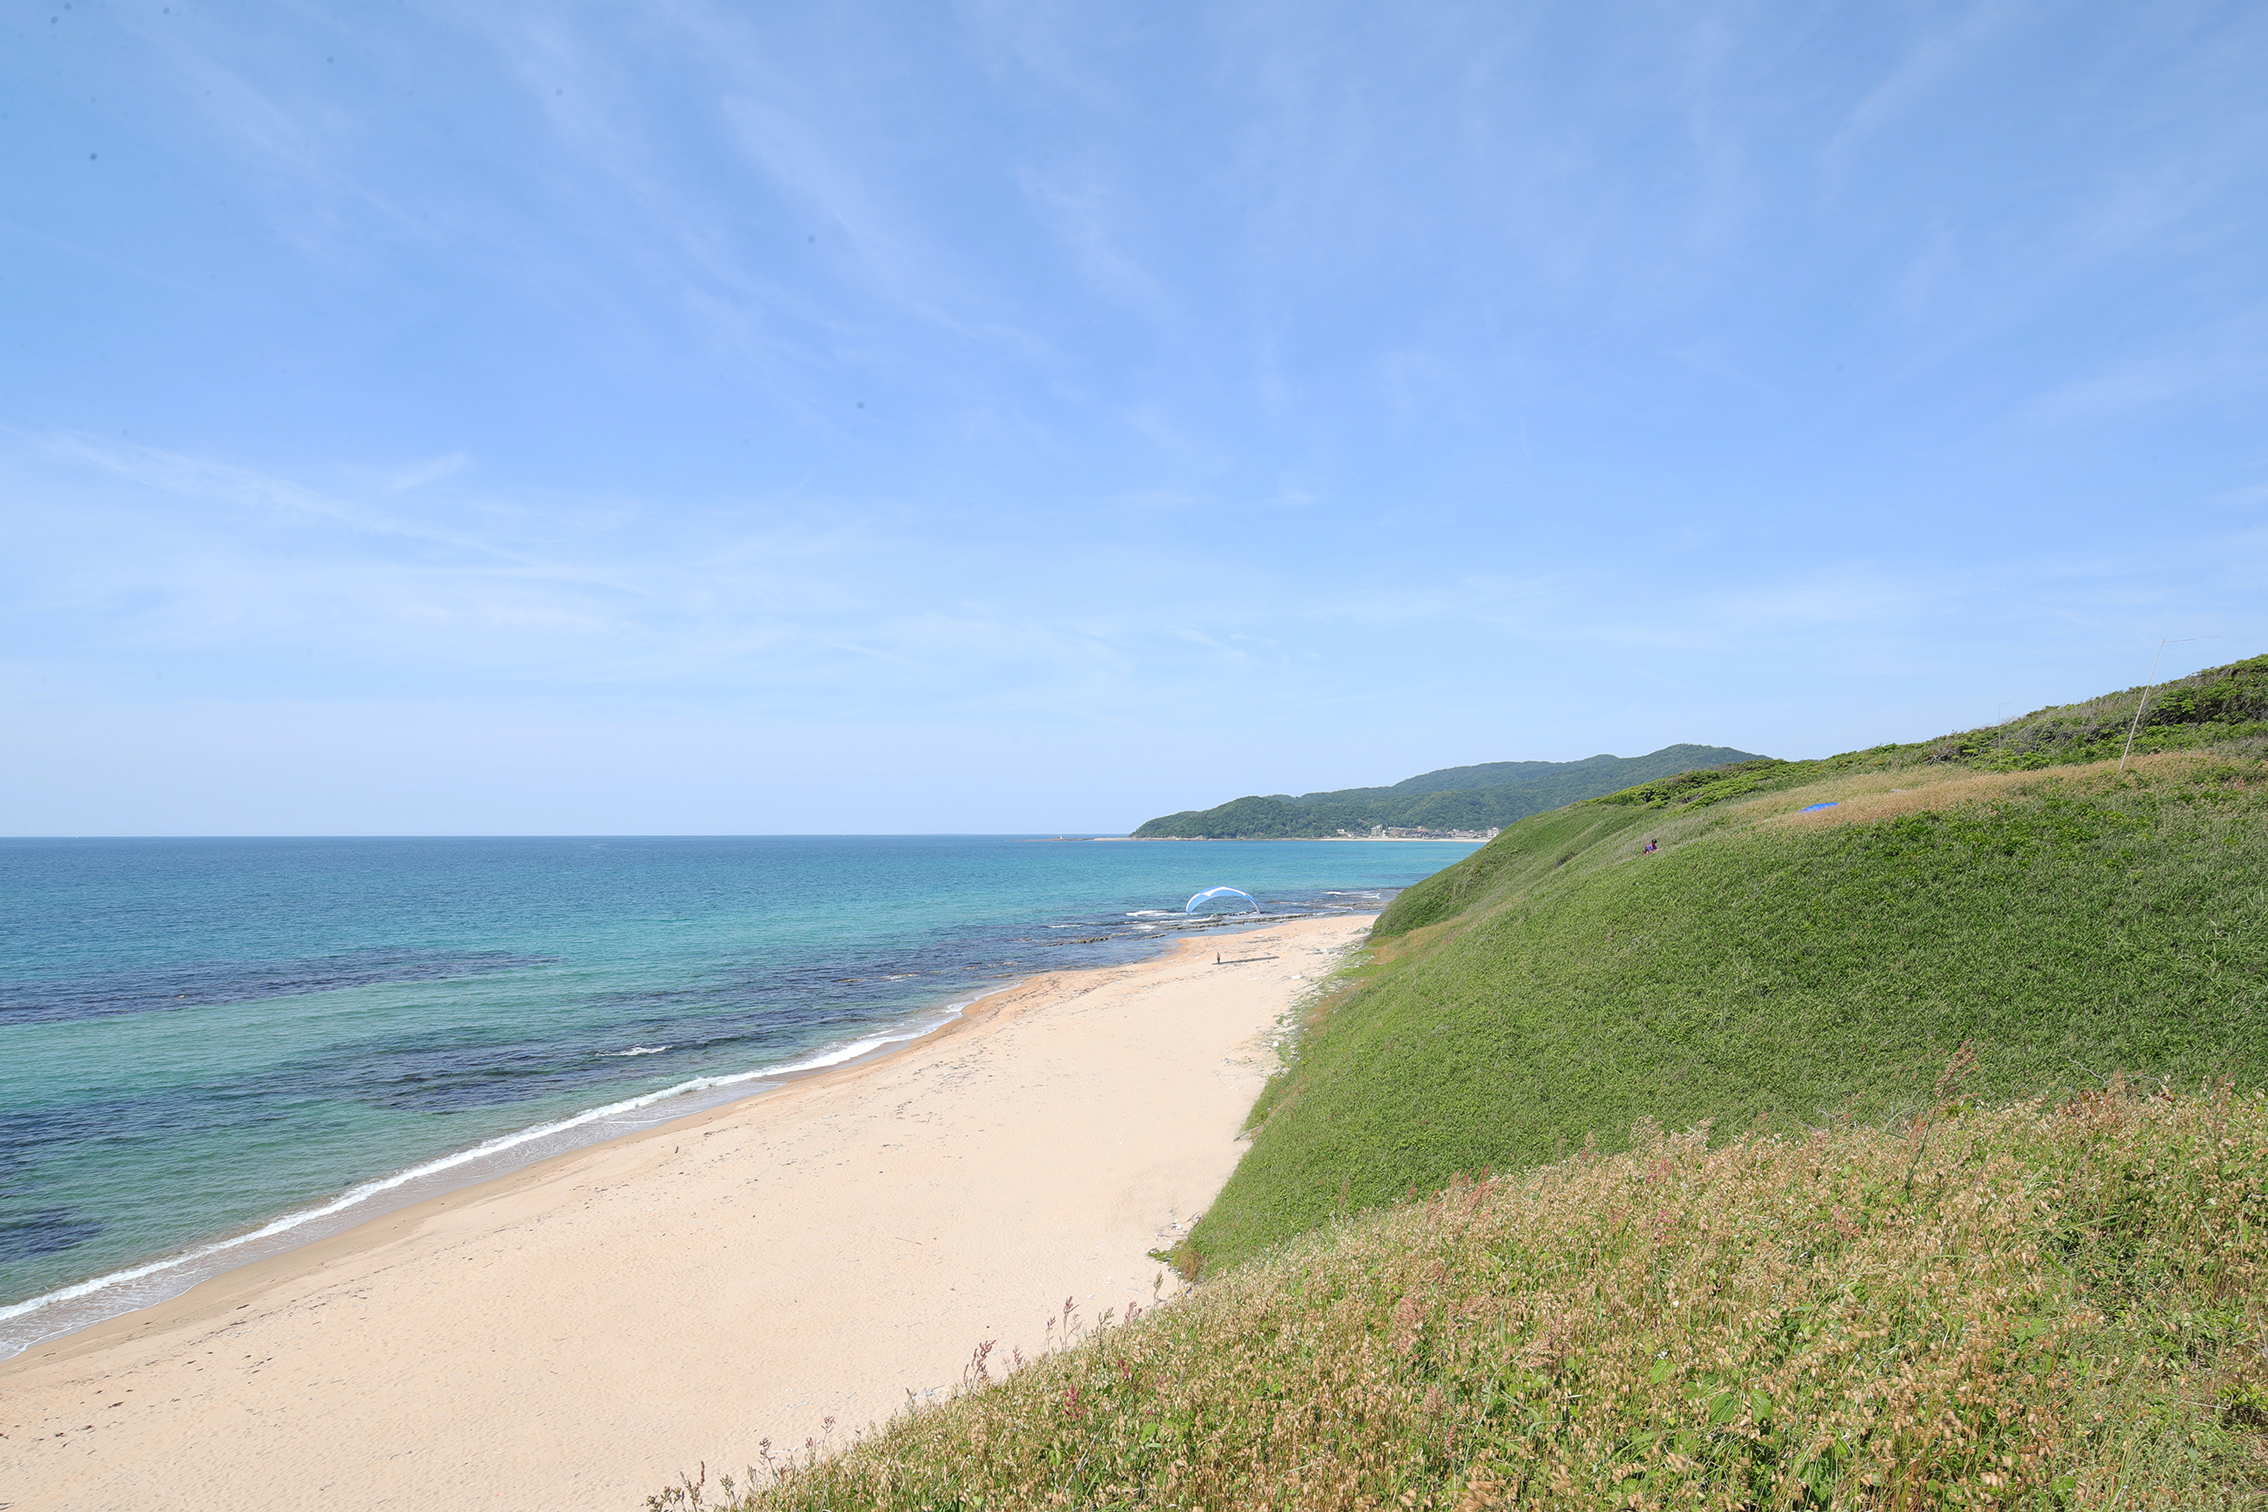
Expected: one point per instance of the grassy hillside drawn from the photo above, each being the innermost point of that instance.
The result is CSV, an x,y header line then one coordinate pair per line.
x,y
1470,797
1969,1039
1774,968
2045,1306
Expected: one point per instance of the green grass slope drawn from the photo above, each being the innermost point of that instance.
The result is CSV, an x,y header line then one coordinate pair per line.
x,y
1973,1067
1776,969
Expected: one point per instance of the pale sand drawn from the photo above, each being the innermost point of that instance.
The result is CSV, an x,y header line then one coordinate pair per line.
x,y
572,1336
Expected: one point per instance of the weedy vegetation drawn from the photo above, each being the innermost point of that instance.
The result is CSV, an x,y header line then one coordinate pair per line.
x,y
1969,1042
2049,1305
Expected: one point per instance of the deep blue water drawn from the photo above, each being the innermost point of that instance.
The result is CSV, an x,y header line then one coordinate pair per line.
x,y
197,1036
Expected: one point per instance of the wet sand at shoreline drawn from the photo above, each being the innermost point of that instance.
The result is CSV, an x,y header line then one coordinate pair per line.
x,y
573,1335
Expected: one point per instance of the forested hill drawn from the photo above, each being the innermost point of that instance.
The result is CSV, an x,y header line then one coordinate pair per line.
x,y
1472,798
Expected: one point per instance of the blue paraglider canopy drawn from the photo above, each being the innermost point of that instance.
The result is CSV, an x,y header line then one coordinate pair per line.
x,y
1211,893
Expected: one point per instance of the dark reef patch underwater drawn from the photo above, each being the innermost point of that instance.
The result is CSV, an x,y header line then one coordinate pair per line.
x,y
200,1036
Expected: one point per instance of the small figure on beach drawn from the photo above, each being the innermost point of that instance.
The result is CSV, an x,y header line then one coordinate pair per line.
x,y
1652,846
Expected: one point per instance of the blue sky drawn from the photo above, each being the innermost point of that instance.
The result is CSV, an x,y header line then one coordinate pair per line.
x,y
562,418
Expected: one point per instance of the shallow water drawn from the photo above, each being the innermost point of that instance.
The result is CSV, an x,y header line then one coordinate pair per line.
x,y
199,1038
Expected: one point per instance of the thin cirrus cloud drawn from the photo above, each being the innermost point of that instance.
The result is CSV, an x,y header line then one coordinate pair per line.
x,y
1234,398
431,470
2219,365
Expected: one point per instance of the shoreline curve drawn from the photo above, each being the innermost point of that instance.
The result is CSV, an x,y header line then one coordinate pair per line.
x,y
806,1256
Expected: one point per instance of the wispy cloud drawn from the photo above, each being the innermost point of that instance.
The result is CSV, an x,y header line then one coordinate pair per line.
x,y
1089,216
202,478
2224,361
1023,367
1942,50
431,470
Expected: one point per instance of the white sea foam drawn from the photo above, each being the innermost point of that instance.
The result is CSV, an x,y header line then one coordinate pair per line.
x,y
191,1266
642,1050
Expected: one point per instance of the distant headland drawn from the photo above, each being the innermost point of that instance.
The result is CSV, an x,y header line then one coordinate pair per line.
x,y
1454,803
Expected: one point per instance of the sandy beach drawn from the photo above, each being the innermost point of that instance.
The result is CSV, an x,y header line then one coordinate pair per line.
x,y
572,1336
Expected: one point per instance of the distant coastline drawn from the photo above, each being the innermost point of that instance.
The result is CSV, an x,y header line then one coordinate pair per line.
x,y
1453,803
1480,839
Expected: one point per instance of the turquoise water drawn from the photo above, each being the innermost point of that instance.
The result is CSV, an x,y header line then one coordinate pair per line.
x,y
201,1037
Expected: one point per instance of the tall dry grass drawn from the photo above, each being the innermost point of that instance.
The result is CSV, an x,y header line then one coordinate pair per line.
x,y
2051,1305
1872,799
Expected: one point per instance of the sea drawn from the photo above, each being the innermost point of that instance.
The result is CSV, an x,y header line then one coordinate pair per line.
x,y
213,1050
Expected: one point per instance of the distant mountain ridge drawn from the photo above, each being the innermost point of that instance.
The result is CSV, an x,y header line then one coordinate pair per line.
x,y
1470,798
